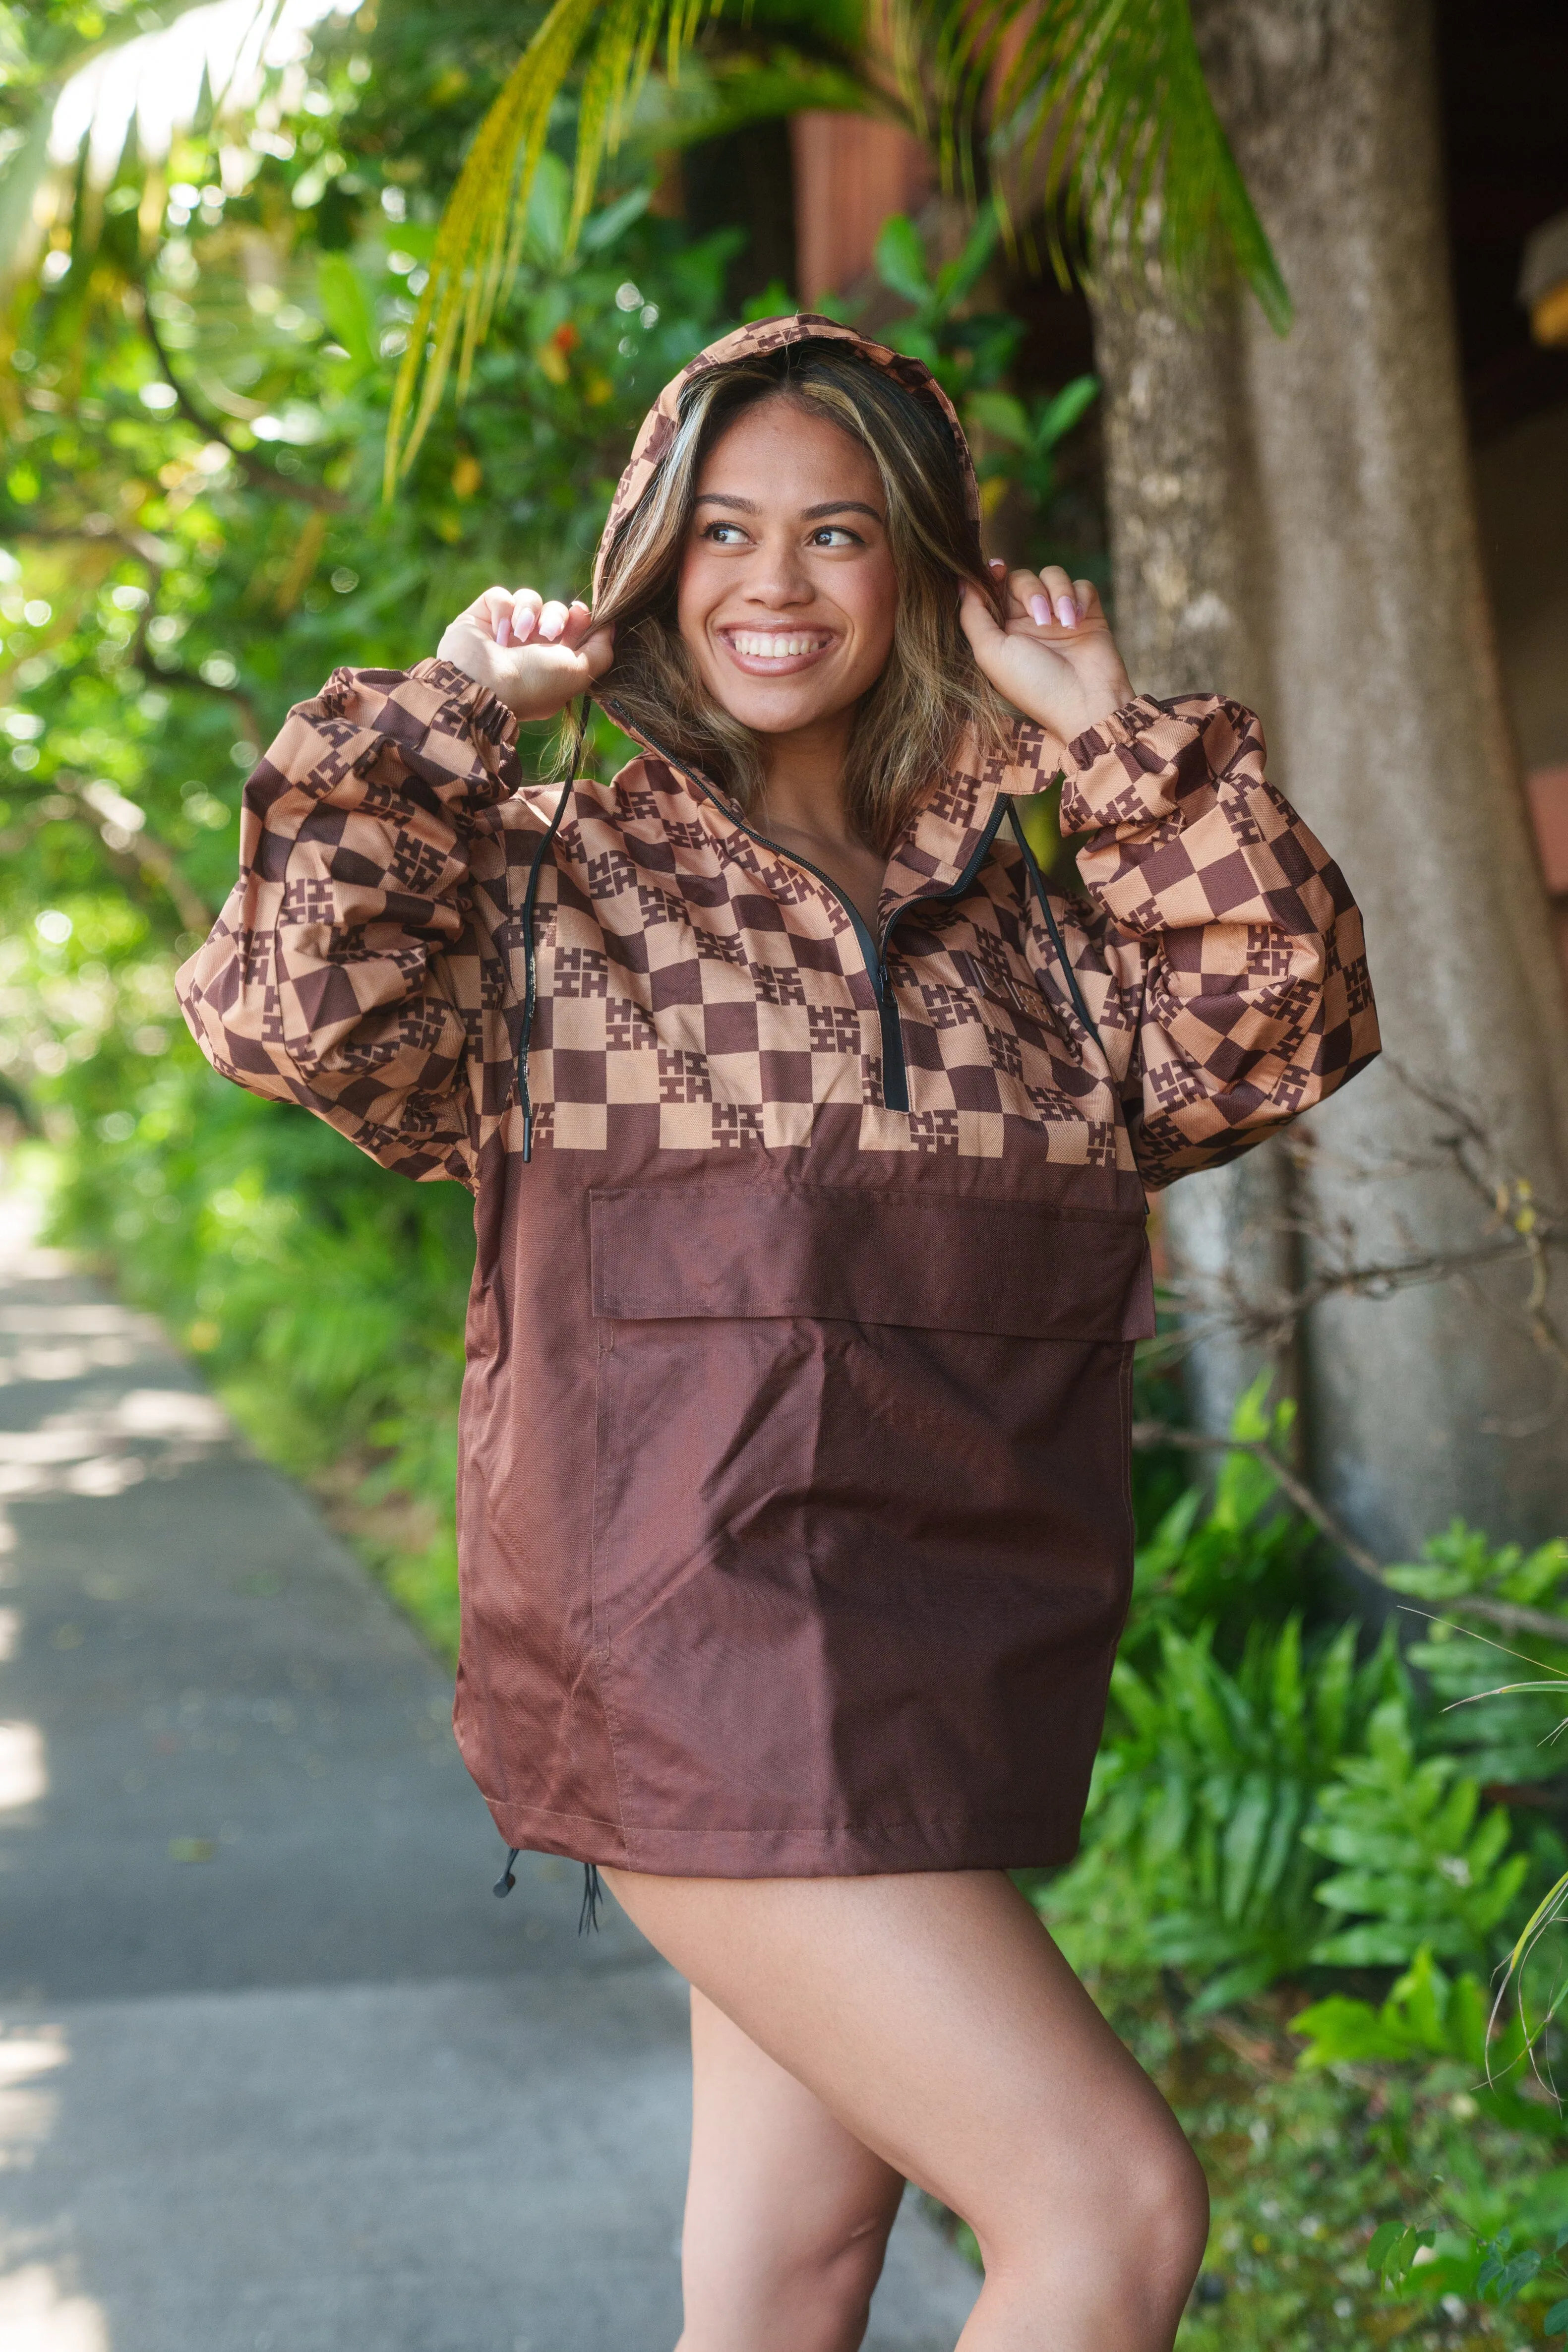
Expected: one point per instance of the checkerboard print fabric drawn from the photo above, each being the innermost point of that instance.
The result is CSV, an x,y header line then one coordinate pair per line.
x,y
697,992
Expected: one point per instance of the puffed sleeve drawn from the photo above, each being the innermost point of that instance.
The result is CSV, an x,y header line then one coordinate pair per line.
x,y
346,971
1223,954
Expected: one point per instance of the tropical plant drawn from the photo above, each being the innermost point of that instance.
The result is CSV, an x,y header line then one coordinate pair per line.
x,y
1431,2019
1415,1867
1230,1557
1515,1739
1111,91
1196,1855
1032,429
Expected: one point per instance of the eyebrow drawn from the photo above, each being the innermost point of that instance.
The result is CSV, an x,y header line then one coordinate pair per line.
x,y
808,514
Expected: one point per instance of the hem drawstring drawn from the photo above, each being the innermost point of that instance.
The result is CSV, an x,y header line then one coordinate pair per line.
x,y
588,1918
593,1890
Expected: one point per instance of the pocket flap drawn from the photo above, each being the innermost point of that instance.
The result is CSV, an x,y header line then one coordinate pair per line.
x,y
929,1261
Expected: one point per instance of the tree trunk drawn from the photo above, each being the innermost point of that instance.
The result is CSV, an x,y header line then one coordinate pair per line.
x,y
1181,497
1332,469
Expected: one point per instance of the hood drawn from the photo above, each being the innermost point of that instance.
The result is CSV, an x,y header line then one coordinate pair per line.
x,y
659,426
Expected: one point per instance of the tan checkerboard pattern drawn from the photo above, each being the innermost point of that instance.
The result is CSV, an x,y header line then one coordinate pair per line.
x,y
698,993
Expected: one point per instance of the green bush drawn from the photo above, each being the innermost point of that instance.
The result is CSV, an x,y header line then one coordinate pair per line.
x,y
1415,1868
1196,1856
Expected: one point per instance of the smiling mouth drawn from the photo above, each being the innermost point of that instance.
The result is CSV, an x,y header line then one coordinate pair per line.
x,y
773,653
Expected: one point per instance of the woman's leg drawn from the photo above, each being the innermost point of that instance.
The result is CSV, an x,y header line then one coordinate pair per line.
x,y
935,2018
787,2214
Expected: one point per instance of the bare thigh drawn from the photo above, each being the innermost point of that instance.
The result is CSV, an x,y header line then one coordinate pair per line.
x,y
932,2016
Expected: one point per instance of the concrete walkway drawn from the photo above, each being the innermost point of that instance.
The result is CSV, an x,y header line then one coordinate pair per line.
x,y
277,2073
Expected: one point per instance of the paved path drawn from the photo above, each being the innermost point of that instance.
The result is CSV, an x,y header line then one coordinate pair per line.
x,y
276,2074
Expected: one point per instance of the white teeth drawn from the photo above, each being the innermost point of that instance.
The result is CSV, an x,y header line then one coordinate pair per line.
x,y
759,645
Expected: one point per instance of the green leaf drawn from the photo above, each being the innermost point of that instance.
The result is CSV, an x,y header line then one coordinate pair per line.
x,y
900,260
1000,414
1062,411
955,278
614,219
1557,2320
348,309
1384,2238
1392,2251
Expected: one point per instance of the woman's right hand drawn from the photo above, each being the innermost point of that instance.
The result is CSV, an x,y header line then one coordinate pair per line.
x,y
533,657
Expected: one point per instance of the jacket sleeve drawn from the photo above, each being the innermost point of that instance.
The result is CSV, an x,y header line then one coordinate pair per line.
x,y
1221,942
347,971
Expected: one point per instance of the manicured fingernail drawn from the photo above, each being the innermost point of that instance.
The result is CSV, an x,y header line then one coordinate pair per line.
x,y
503,630
551,624
523,617
1067,611
998,565
1040,612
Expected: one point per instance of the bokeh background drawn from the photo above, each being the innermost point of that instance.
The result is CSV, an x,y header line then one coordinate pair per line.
x,y
1298,403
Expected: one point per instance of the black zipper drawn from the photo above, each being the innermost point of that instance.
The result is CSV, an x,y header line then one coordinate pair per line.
x,y
895,1065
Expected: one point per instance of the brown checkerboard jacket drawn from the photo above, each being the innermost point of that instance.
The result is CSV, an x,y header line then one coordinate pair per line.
x,y
792,1499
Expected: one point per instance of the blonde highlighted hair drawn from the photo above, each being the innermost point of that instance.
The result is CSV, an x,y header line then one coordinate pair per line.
x,y
931,695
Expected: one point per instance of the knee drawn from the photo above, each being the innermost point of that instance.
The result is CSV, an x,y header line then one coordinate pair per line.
x,y
1167,2223
834,2272
838,2269
809,2290
1121,2253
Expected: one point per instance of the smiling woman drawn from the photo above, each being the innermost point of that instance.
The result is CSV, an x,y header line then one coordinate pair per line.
x,y
809,1131
860,526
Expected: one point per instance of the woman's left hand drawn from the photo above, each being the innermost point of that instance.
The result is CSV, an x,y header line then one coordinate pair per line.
x,y
1056,659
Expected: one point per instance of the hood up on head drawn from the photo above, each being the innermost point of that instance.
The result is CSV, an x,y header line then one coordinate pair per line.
x,y
659,426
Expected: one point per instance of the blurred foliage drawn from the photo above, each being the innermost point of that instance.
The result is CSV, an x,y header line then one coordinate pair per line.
x,y
1308,2168
195,398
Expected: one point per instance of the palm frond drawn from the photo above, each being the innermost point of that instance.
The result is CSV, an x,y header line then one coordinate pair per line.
x,y
1100,116
480,238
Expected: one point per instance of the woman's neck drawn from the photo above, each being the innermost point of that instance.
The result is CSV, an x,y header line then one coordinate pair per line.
x,y
802,808
803,779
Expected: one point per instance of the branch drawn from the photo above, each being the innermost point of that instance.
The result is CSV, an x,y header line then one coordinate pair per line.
x,y
144,853
1509,1615
256,471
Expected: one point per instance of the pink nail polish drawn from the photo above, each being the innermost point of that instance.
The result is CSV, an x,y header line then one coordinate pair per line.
x,y
503,630
550,629
523,621
1067,613
1040,612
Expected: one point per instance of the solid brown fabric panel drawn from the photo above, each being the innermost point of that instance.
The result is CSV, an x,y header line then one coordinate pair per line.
x,y
926,1261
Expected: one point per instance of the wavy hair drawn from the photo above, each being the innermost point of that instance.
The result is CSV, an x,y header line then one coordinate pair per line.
x,y
931,692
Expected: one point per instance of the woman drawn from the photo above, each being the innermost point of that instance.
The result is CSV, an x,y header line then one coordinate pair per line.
x,y
809,1135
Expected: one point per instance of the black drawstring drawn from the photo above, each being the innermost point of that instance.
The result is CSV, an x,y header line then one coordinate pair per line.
x,y
592,1892
1038,879
529,995
589,1915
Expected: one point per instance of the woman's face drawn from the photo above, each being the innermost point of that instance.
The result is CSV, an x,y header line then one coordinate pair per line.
x,y
787,590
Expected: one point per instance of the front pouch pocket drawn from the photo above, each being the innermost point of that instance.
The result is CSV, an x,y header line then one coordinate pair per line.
x,y
861,1537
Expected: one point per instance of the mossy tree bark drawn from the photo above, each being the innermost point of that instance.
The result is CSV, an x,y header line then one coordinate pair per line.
x,y
1293,520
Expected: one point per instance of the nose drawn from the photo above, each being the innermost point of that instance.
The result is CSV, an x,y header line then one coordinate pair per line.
x,y
779,578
